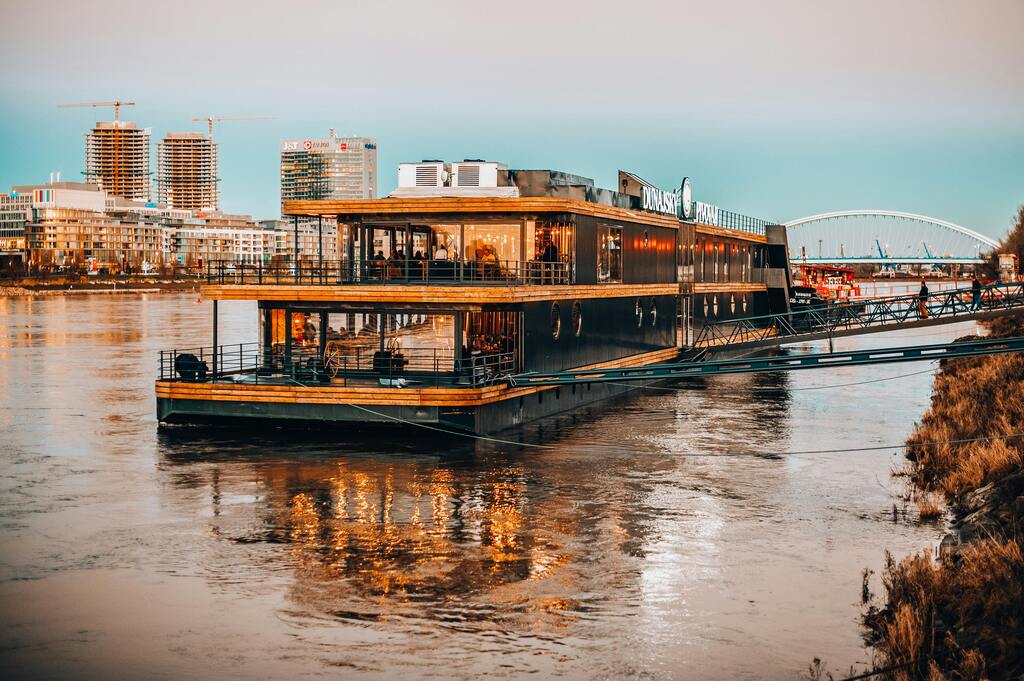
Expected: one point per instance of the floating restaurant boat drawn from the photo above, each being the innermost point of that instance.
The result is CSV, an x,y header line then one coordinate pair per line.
x,y
466,275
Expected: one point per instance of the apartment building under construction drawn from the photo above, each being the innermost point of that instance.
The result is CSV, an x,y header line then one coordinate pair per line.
x,y
187,172
117,159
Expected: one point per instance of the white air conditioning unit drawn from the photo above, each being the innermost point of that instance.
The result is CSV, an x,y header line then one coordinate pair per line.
x,y
475,174
425,174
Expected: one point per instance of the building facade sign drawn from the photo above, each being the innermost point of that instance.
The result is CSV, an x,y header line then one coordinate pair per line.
x,y
686,199
705,213
325,145
659,201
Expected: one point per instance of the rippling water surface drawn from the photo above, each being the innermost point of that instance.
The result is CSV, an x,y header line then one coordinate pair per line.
x,y
687,533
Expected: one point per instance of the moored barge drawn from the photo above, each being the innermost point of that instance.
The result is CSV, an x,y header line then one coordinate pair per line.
x,y
470,273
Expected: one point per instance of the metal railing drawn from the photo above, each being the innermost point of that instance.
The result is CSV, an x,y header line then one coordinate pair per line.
x,y
404,272
737,221
861,314
304,365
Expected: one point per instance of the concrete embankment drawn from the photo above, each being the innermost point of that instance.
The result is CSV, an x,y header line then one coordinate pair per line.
x,y
957,612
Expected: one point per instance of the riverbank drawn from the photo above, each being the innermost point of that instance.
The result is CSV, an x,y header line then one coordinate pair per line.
x,y
76,285
958,612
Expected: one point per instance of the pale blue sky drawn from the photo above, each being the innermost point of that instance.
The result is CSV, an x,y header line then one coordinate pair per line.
x,y
774,109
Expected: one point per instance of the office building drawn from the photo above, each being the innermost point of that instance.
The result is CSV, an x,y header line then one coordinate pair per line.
x,y
329,168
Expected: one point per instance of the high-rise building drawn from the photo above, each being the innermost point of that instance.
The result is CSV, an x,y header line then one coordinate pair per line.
x,y
329,168
187,172
117,159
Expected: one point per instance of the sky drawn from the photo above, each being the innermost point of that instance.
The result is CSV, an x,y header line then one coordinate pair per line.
x,y
774,109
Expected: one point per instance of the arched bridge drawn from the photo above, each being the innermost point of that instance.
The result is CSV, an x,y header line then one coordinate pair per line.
x,y
887,237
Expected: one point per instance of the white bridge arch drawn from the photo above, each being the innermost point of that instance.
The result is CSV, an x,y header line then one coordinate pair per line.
x,y
884,237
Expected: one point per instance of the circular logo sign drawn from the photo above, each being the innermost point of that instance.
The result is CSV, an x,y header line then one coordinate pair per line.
x,y
307,144
686,198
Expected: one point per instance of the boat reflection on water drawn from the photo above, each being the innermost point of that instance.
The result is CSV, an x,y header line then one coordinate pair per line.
x,y
460,532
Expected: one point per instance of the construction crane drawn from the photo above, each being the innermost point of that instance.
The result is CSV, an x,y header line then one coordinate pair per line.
x,y
210,120
117,104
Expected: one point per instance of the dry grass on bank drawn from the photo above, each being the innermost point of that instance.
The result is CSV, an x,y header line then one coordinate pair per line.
x,y
929,506
960,617
973,399
959,612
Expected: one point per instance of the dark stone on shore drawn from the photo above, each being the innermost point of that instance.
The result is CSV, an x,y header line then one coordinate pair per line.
x,y
997,509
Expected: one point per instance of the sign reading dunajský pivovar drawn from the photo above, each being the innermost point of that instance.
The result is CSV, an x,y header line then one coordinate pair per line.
x,y
705,213
658,200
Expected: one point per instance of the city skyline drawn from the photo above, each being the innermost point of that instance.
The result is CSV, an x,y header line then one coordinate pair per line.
x,y
766,115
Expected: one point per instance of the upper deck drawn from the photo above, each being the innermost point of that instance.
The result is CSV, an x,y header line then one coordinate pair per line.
x,y
473,249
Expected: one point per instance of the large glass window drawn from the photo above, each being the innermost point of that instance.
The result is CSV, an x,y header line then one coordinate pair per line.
x,y
609,253
493,242
447,242
491,333
425,341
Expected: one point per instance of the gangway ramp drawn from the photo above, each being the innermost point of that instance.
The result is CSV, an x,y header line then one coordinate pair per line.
x,y
870,315
691,369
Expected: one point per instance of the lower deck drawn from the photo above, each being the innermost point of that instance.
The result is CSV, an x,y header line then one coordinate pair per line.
x,y
480,409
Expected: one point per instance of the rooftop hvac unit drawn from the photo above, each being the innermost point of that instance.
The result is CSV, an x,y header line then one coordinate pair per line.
x,y
475,174
426,174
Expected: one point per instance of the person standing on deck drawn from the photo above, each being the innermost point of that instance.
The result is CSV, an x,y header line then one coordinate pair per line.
x,y
550,259
975,293
922,301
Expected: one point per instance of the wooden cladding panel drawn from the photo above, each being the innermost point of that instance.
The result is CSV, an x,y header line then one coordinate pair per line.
x,y
733,233
433,205
401,293
728,287
373,395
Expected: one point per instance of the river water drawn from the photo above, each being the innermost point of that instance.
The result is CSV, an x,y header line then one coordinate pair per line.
x,y
698,532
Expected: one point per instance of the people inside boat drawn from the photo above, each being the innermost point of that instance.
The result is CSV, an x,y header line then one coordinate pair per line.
x,y
309,332
487,264
549,258
395,266
441,267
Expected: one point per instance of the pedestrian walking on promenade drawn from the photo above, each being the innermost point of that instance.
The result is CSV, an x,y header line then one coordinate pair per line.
x,y
975,293
922,301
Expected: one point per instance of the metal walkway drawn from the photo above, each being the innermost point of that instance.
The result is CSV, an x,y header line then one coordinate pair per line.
x,y
914,353
867,316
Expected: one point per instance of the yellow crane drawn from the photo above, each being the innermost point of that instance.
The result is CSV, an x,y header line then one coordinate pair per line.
x,y
211,119
117,104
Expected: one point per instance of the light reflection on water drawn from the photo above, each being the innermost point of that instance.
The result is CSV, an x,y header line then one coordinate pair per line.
x,y
673,534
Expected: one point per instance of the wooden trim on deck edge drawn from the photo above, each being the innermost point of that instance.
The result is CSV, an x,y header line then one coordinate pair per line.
x,y
376,395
